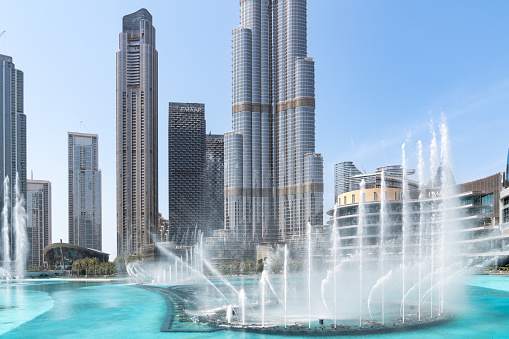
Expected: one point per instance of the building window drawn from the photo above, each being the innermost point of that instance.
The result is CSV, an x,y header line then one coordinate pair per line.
x,y
353,198
505,215
374,196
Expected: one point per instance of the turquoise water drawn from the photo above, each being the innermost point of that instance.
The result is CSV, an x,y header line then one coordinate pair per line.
x,y
60,308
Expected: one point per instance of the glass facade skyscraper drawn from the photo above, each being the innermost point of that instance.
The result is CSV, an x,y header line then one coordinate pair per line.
x,y
85,212
137,180
12,146
186,163
343,181
38,220
213,184
273,177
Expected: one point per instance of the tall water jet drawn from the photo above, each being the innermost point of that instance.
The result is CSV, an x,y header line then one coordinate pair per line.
x,y
242,297
309,272
335,236
262,285
187,264
181,269
404,228
229,314
446,189
360,226
176,271
420,169
383,221
200,262
432,223
285,271
5,226
20,228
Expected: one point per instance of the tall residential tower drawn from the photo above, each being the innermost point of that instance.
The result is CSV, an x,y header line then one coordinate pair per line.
x,y
38,220
85,228
13,157
273,177
137,184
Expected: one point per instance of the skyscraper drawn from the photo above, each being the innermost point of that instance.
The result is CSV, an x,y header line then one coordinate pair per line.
x,y
186,162
343,181
12,147
39,220
213,184
273,177
85,228
137,184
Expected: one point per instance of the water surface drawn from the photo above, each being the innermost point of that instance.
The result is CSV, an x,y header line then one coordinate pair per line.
x,y
65,309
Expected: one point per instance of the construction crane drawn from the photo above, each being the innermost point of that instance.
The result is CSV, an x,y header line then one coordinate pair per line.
x,y
2,33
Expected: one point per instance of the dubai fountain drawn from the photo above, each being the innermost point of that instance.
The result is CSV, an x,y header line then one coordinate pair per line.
x,y
13,229
370,277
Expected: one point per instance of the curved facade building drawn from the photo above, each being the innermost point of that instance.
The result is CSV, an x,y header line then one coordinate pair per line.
x,y
470,214
273,178
62,255
137,181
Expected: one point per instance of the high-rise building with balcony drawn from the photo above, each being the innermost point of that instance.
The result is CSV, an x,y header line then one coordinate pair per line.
x,y
137,180
273,177
186,163
38,220
85,213
12,149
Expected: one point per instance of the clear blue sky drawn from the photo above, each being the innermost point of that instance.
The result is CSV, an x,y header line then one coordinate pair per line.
x,y
383,69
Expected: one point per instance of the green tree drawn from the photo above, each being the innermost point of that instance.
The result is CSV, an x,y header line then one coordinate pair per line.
x,y
93,263
87,262
260,265
77,265
224,269
246,266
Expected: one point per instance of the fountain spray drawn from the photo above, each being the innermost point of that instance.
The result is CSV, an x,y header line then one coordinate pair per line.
x,y
361,239
383,203
420,169
5,225
285,280
405,228
309,273
20,228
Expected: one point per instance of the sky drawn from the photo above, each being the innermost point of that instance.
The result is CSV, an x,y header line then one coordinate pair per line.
x,y
384,71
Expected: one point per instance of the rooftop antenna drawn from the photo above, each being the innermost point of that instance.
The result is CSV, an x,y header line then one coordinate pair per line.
x,y
81,122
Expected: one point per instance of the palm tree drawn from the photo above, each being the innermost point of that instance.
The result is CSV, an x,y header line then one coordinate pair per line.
x,y
87,264
76,266
94,262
